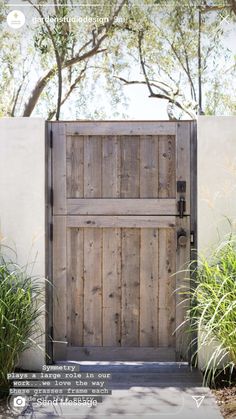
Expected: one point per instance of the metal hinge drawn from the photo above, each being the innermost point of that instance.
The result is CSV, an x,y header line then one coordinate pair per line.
x,y
51,232
192,237
51,197
51,139
181,206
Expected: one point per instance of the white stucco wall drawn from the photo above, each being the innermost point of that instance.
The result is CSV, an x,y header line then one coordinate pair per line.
x,y
216,186
216,178
22,201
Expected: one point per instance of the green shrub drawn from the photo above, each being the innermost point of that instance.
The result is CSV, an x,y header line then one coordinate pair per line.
x,y
213,309
20,307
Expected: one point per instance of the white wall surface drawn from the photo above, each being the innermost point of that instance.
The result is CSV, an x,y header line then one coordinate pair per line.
x,y
216,187
22,201
216,178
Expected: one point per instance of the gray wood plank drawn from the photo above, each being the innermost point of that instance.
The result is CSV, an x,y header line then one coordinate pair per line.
x,y
121,206
59,288
116,221
129,128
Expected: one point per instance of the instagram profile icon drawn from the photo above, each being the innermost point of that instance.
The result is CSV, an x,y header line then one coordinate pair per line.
x,y
15,19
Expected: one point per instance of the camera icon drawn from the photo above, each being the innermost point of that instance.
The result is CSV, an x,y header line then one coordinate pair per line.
x,y
19,401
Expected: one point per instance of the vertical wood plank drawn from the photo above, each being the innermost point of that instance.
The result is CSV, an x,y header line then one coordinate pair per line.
x,y
111,167
59,288
111,287
75,286
167,162
92,167
149,288
59,168
130,173
182,286
183,159
183,130
92,246
130,287
148,167
75,167
167,255
92,287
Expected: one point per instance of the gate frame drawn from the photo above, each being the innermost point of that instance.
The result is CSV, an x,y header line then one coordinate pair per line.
x,y
48,245
49,225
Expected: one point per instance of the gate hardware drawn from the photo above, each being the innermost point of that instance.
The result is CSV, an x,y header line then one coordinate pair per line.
x,y
182,237
51,139
181,186
181,206
192,237
51,232
51,197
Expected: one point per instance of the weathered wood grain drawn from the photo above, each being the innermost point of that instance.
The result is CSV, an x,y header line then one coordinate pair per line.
x,y
59,169
167,158
166,287
75,285
130,167
183,159
75,167
92,167
59,288
111,288
130,307
115,244
149,288
182,289
111,161
121,206
128,128
116,221
93,286
149,167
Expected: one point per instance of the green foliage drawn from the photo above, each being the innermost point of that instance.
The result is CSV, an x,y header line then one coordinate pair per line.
x,y
63,35
213,308
20,307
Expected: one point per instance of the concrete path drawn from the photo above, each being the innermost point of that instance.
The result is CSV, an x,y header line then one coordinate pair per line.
x,y
144,390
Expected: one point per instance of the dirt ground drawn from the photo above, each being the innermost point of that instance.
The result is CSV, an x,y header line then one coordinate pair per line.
x,y
226,400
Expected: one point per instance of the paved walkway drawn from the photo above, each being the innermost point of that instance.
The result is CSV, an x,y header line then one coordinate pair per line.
x,y
144,390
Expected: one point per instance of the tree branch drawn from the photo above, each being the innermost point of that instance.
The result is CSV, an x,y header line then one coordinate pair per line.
x,y
151,83
57,56
187,70
70,90
162,95
42,82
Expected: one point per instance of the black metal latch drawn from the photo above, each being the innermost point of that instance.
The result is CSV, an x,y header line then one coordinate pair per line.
x,y
181,189
181,206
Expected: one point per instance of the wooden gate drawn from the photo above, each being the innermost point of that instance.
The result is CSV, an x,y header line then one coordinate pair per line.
x,y
121,230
